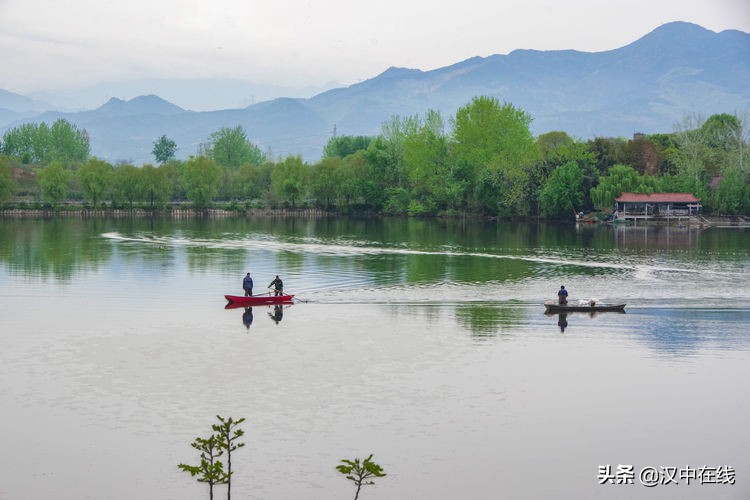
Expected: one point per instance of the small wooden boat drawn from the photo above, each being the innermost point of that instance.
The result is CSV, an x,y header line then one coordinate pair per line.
x,y
257,300
553,307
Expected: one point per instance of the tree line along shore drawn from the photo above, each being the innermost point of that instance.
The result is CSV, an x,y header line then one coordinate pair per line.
x,y
483,162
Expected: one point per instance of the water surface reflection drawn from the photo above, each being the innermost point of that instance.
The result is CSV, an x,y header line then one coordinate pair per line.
x,y
423,342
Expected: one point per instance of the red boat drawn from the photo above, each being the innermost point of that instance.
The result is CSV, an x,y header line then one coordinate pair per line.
x,y
257,300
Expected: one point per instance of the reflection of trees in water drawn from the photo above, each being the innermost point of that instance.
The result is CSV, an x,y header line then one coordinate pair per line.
x,y
487,320
57,246
286,260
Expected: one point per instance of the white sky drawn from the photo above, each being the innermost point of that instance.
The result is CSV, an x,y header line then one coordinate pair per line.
x,y
53,44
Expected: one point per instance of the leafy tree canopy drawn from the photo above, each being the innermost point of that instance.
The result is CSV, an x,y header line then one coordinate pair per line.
x,y
43,144
7,182
53,181
563,194
95,176
231,148
345,145
201,178
164,149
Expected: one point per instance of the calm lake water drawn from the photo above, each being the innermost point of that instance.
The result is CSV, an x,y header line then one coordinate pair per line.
x,y
422,342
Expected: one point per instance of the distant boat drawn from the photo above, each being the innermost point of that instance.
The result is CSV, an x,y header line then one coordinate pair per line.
x,y
554,307
256,300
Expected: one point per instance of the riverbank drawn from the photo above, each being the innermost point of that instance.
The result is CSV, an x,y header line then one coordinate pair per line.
x,y
699,221
179,213
314,213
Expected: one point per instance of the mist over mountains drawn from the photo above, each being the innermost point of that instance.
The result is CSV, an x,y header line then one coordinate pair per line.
x,y
647,86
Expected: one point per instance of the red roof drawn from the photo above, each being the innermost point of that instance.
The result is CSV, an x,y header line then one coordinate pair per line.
x,y
658,198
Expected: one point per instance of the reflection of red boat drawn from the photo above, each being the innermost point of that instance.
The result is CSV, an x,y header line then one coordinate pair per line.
x,y
257,300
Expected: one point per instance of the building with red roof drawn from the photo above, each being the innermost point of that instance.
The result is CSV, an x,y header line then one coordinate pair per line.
x,y
656,205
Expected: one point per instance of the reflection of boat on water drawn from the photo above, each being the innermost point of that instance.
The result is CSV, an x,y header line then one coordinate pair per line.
x,y
256,300
552,306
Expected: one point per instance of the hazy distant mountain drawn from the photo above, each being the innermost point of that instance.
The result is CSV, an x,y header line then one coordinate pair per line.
x,y
15,107
21,104
647,86
195,95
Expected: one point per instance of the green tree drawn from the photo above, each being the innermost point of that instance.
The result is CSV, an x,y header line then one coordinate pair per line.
x,y
41,143
608,152
426,161
201,178
383,171
692,150
227,433
621,179
156,186
53,182
389,181
19,142
94,177
728,140
493,150
360,472
164,149
326,181
558,149
345,145
730,194
231,148
563,194
7,182
721,131
128,184
254,181
289,179
174,172
68,144
210,470
356,179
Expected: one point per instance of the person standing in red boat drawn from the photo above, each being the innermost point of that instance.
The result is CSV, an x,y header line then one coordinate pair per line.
x,y
278,286
247,285
562,295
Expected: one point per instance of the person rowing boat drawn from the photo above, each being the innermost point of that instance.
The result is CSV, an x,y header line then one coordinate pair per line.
x,y
278,286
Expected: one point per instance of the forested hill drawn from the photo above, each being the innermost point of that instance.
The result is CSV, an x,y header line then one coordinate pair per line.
x,y
647,86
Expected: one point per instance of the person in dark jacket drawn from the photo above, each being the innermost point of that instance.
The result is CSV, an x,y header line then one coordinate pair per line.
x,y
562,295
278,286
247,285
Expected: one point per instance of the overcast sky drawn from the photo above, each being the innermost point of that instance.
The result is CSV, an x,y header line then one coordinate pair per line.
x,y
51,44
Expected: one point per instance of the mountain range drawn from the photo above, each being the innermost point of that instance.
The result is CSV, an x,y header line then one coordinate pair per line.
x,y
647,86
